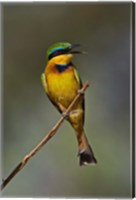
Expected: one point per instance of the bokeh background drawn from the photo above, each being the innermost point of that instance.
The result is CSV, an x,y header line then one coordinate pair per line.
x,y
103,30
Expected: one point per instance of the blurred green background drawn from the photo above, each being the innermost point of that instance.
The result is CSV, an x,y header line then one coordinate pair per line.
x,y
103,30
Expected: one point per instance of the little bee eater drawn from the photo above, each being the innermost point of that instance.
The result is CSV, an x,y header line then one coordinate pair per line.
x,y
62,83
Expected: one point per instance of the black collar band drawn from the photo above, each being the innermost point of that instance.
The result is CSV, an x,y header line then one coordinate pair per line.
x,y
63,67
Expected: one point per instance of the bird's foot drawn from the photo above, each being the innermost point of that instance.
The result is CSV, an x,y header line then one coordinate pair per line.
x,y
80,92
65,114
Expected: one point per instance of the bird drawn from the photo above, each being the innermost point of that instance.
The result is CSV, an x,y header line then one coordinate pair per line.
x,y
62,83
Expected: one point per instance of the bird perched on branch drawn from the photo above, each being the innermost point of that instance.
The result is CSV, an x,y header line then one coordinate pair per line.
x,y
62,83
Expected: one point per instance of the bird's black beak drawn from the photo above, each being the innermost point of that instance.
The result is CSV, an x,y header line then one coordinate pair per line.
x,y
76,51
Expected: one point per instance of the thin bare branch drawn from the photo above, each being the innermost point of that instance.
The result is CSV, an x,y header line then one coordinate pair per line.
x,y
49,135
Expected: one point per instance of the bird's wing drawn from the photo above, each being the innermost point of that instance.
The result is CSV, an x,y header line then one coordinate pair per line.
x,y
77,77
80,82
43,79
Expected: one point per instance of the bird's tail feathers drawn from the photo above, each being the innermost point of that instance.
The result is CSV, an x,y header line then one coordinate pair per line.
x,y
85,151
87,156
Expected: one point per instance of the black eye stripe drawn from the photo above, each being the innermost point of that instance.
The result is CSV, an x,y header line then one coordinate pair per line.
x,y
58,52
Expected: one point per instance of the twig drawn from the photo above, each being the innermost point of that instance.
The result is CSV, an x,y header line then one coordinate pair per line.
x,y
49,135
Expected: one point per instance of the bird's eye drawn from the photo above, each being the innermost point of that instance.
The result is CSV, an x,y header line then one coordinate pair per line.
x,y
58,52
